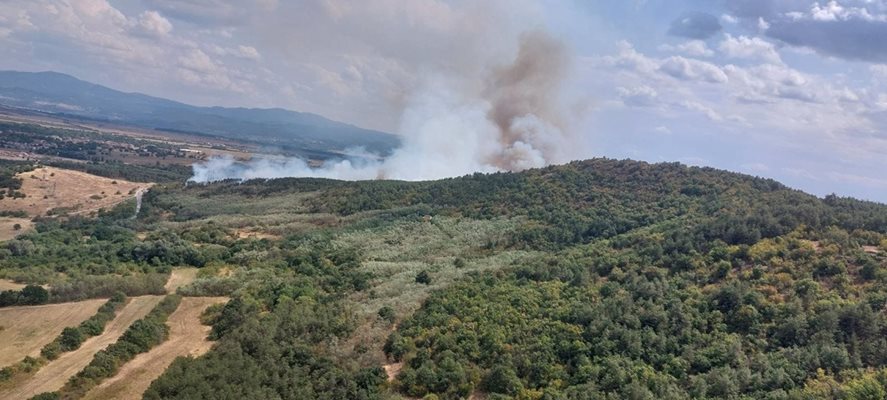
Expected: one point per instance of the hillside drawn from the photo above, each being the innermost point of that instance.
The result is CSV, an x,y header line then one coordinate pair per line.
x,y
598,279
63,94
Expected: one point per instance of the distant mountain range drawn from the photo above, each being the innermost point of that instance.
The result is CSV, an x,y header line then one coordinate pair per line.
x,y
58,93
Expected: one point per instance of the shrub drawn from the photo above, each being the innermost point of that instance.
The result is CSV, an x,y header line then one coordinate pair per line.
x,y
71,339
424,278
387,313
52,350
33,295
47,396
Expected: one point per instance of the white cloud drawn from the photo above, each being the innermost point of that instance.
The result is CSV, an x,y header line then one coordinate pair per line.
x,y
763,25
693,70
241,51
755,167
153,23
198,61
729,19
750,48
694,48
834,11
879,71
662,129
641,96
702,109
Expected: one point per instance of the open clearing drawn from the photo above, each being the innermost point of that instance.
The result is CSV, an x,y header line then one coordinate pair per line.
x,y
6,284
73,192
54,374
187,337
7,227
180,277
27,329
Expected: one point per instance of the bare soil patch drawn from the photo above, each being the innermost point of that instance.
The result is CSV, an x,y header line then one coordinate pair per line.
x,y
54,375
7,227
75,192
392,370
187,337
6,284
871,249
254,234
180,277
27,329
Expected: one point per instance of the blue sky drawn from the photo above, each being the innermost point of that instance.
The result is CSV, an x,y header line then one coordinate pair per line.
x,y
789,89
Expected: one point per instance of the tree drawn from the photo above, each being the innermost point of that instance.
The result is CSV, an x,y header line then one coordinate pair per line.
x,y
71,338
423,278
33,294
503,380
387,313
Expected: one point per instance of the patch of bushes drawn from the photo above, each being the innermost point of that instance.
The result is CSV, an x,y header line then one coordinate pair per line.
x,y
13,214
93,287
28,296
72,337
210,287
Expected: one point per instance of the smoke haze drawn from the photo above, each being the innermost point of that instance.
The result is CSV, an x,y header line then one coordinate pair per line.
x,y
508,119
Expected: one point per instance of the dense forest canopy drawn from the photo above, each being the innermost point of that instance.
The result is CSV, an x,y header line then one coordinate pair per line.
x,y
599,279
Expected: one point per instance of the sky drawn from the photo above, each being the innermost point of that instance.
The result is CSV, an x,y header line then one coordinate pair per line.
x,y
791,89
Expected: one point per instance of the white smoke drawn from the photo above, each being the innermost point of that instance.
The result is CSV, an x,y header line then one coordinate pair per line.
x,y
511,121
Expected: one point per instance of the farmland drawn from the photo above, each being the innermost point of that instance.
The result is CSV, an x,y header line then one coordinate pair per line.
x,y
187,337
27,329
53,376
52,190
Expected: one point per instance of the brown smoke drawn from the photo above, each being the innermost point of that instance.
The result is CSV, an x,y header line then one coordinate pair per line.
x,y
524,100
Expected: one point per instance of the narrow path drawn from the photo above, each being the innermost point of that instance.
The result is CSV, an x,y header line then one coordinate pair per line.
x,y
55,374
187,337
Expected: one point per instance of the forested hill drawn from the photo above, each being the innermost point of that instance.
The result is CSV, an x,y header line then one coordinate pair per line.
x,y
597,198
599,279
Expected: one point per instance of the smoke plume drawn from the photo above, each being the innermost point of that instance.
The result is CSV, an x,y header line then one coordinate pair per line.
x,y
508,120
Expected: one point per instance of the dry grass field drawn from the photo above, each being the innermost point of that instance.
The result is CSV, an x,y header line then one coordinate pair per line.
x,y
76,192
6,284
187,337
54,374
25,330
7,227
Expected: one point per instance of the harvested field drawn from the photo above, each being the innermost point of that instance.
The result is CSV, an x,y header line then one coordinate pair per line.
x,y
55,374
6,284
180,277
7,227
67,191
27,329
187,337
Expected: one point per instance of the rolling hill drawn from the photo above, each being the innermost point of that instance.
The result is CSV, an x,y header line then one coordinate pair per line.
x,y
599,279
